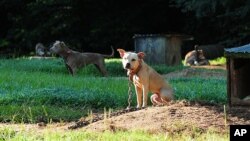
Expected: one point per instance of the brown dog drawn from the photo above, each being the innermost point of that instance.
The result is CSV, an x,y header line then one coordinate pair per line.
x,y
145,79
195,57
75,60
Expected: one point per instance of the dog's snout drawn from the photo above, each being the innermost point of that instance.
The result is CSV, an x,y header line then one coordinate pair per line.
x,y
127,66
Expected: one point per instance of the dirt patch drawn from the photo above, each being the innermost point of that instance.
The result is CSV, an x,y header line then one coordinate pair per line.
x,y
177,117
218,71
222,67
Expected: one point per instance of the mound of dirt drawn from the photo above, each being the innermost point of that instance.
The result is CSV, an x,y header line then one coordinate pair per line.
x,y
217,71
177,117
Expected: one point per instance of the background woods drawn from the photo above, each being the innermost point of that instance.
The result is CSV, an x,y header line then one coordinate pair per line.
x,y
93,25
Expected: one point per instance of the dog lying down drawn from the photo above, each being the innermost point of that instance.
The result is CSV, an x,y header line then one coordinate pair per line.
x,y
75,60
195,57
145,79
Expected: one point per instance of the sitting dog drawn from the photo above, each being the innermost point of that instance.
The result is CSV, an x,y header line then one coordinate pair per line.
x,y
75,60
145,79
195,57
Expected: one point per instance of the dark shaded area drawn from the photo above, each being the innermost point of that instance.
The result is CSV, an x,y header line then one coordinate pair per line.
x,y
91,25
238,66
242,68
212,51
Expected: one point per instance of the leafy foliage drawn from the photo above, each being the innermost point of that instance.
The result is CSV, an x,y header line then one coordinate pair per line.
x,y
95,25
85,25
224,21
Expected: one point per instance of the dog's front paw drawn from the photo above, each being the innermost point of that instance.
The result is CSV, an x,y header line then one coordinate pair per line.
x,y
138,106
144,106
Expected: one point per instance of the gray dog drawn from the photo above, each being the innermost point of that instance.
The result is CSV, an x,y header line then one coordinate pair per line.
x,y
75,60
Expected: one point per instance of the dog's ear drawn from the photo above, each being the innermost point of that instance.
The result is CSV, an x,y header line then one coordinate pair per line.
x,y
121,51
141,55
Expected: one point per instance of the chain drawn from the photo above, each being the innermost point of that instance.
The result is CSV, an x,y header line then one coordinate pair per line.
x,y
98,118
129,94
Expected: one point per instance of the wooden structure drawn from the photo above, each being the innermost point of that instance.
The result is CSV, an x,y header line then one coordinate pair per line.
x,y
161,48
238,75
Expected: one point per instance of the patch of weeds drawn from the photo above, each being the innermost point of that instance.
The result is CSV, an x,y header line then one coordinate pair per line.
x,y
7,134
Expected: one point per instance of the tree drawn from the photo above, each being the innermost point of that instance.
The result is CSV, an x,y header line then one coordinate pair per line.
x,y
93,25
224,21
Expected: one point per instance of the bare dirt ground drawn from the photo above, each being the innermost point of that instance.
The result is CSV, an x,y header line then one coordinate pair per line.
x,y
179,116
217,71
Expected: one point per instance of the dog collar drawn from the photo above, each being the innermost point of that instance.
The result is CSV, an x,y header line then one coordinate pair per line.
x,y
133,72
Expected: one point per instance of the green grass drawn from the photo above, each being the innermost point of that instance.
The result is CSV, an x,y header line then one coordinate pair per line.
x,y
79,135
200,89
218,61
33,89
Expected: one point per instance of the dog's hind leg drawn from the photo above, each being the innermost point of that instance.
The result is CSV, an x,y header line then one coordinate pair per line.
x,y
156,100
166,95
101,67
71,71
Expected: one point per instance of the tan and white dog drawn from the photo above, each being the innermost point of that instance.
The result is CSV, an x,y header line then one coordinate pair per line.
x,y
145,79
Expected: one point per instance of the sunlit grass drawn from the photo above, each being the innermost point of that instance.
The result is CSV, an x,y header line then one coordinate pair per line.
x,y
27,87
199,89
36,90
73,135
218,61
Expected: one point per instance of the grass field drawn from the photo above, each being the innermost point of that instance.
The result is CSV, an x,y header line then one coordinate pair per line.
x,y
33,90
76,135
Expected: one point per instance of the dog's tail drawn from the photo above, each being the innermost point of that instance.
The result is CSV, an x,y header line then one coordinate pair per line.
x,y
111,55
